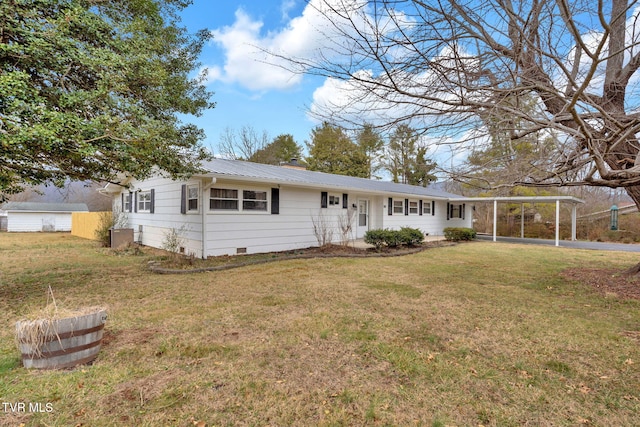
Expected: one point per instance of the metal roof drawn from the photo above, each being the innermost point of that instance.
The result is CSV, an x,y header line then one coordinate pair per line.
x,y
247,171
44,207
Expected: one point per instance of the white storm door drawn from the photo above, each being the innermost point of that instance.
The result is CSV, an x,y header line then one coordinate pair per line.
x,y
363,218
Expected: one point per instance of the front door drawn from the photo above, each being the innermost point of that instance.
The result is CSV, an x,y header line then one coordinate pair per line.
x,y
363,218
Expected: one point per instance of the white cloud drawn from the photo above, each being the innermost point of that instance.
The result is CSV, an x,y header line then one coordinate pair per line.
x,y
246,63
285,8
247,46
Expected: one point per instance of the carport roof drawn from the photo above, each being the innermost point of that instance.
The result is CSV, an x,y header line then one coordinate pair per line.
x,y
524,199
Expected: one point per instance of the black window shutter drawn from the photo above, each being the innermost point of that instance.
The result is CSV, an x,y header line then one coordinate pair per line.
x,y
420,208
183,199
324,199
152,208
130,201
135,205
406,206
433,208
462,211
122,205
390,206
345,200
448,211
275,201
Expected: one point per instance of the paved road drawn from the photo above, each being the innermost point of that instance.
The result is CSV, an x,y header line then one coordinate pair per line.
x,y
599,246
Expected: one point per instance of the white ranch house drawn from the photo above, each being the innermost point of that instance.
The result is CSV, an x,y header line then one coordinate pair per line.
x,y
241,207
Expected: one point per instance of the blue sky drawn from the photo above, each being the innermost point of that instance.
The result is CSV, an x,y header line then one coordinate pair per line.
x,y
247,91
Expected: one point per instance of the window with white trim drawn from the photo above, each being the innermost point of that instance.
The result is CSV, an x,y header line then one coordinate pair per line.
x,y
335,200
413,207
253,200
192,198
126,206
398,206
144,201
426,208
223,199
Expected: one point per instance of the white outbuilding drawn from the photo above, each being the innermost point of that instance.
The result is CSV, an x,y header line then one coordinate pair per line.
x,y
31,216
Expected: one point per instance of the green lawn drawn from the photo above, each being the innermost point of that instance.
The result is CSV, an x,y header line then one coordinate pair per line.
x,y
474,334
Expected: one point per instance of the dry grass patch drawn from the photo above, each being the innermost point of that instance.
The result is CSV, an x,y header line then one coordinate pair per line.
x,y
474,334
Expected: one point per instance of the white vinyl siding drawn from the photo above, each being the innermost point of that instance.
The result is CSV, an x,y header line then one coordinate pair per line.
x,y
152,230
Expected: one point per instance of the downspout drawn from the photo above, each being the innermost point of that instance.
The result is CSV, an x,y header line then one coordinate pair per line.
x,y
203,214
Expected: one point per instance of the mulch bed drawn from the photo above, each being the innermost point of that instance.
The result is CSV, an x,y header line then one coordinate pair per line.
x,y
606,281
330,251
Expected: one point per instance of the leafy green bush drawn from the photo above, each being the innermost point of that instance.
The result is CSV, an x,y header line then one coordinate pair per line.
x,y
375,237
459,233
394,238
411,236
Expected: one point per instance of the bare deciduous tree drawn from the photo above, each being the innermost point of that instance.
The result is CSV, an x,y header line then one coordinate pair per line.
x,y
242,144
447,67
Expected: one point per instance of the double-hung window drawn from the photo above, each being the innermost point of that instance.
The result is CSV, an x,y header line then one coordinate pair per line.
x,y
254,200
144,201
398,206
223,199
192,198
413,207
456,211
426,208
231,199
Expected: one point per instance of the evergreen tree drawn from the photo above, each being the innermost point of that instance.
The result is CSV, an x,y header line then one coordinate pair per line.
x,y
93,89
371,144
406,159
332,151
282,149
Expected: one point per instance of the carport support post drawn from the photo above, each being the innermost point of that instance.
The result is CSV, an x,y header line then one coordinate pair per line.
x,y
495,219
522,220
557,222
574,219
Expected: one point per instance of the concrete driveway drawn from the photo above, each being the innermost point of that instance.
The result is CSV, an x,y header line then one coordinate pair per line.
x,y
598,246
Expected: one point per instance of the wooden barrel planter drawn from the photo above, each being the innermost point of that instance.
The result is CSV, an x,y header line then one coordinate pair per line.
x,y
60,343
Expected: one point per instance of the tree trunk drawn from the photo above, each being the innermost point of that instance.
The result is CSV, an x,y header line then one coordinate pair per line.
x,y
634,193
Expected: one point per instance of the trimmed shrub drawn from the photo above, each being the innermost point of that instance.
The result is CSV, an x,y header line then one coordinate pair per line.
x,y
375,238
411,236
394,238
459,233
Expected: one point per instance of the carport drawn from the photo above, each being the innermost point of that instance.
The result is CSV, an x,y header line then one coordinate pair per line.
x,y
573,201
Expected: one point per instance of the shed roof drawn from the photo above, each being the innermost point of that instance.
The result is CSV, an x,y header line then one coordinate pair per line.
x,y
44,207
241,170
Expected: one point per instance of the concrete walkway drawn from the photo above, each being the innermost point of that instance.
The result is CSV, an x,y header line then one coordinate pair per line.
x,y
598,246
